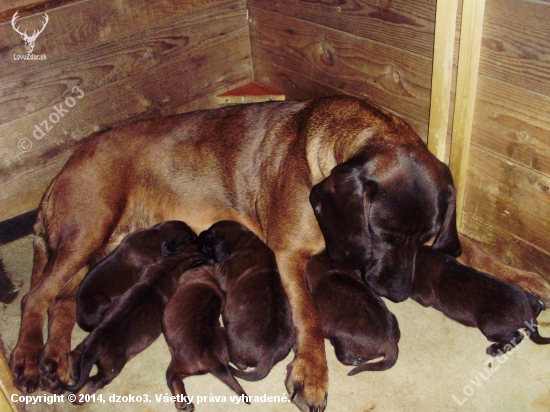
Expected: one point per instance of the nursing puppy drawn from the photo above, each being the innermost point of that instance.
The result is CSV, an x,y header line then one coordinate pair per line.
x,y
257,313
192,330
354,318
130,325
121,269
477,299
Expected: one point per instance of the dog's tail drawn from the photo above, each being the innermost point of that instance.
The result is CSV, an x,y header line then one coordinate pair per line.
x,y
260,372
223,373
87,361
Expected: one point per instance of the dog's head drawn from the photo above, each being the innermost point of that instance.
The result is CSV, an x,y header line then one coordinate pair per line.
x,y
219,241
161,240
376,210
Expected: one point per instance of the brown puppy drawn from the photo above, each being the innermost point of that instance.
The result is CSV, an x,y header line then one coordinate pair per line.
x,y
475,257
121,269
354,318
477,299
379,192
192,330
130,325
256,314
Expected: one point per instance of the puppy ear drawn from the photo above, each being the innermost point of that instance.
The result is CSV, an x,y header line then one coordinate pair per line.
x,y
447,240
341,204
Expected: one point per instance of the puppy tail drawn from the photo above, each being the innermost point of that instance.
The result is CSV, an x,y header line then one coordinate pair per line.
x,y
255,375
87,361
389,360
223,373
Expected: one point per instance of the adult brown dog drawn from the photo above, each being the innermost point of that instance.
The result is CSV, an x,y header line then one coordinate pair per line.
x,y
354,318
256,313
379,195
476,299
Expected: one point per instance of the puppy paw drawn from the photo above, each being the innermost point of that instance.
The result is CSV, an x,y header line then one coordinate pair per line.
x,y
496,349
184,406
24,367
307,383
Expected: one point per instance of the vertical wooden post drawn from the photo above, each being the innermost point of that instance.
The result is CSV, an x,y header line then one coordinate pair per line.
x,y
466,85
442,70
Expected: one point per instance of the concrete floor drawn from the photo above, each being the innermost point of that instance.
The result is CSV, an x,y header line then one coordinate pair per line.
x,y
442,366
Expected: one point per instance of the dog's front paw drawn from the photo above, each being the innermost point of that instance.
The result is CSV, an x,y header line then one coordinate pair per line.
x,y
24,367
54,370
307,383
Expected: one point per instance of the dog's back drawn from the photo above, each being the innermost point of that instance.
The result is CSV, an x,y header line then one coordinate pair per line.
x,y
355,320
257,313
193,332
473,298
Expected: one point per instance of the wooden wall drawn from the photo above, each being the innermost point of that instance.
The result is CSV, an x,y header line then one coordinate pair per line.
x,y
382,51
113,62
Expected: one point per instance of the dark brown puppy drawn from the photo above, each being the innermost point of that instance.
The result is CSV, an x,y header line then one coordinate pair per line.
x,y
130,325
256,314
193,332
354,318
379,194
477,299
121,269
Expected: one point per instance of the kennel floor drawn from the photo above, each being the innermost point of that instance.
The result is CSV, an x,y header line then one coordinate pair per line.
x,y
442,366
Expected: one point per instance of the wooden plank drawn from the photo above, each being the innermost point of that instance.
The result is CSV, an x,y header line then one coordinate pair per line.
x,y
29,7
297,86
513,123
382,74
157,91
516,40
408,25
466,85
6,387
87,23
442,71
508,196
29,90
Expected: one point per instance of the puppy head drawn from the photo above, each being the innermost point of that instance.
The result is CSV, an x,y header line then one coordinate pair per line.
x,y
162,240
375,211
219,241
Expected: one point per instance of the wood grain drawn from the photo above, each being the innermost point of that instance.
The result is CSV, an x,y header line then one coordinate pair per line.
x,y
297,86
385,75
511,197
465,97
514,123
442,76
157,91
87,23
408,25
29,7
30,90
516,41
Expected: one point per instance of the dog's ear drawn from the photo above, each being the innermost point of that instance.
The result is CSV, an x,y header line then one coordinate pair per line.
x,y
341,204
447,239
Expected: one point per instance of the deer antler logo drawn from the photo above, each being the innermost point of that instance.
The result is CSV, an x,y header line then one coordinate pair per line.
x,y
29,40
